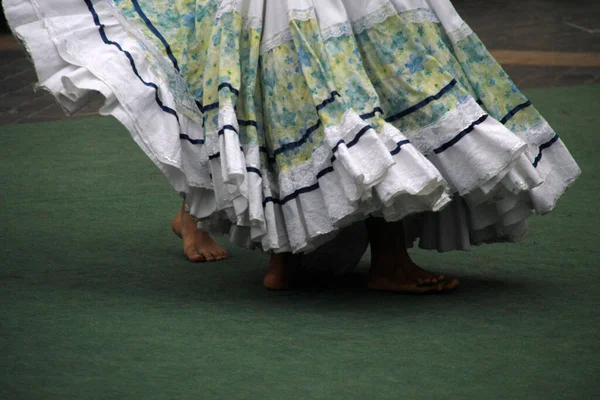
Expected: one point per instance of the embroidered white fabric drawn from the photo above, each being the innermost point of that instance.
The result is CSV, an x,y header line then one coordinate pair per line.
x,y
538,134
444,129
485,154
304,174
351,123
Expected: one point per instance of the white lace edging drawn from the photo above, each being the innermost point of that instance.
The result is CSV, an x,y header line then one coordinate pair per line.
x,y
444,129
225,6
419,15
337,30
374,18
538,134
285,36
275,41
460,34
302,15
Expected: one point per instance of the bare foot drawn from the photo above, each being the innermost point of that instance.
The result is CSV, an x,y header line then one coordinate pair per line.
x,y
389,275
392,268
282,270
198,246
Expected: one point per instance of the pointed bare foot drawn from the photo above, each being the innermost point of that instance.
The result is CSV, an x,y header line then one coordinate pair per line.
x,y
198,246
282,269
391,266
389,275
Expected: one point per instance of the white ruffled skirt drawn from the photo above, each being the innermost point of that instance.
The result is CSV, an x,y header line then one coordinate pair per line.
x,y
282,122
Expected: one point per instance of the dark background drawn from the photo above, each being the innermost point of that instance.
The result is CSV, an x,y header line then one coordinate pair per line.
x,y
3,24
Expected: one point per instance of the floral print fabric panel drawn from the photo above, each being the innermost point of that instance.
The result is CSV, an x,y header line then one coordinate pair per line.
x,y
402,69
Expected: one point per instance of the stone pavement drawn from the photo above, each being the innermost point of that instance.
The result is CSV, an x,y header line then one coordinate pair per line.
x,y
541,43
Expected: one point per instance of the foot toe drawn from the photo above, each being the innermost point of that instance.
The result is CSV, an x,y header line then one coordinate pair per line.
x,y
215,255
419,288
427,281
450,285
224,255
208,257
194,257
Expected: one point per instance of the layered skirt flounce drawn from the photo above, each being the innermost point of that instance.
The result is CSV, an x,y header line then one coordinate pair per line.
x,y
282,122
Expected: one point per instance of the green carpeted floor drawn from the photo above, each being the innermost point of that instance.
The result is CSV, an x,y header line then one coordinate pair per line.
x,y
97,302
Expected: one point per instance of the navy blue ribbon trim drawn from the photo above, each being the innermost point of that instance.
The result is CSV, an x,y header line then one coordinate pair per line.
x,y
515,110
542,148
372,113
310,131
293,145
329,100
353,141
105,39
305,136
218,154
358,136
227,128
297,193
254,170
209,107
328,170
153,29
422,103
230,87
270,199
215,105
263,149
189,139
324,172
399,147
248,123
462,134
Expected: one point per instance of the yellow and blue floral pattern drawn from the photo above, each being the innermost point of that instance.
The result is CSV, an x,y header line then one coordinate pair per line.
x,y
287,96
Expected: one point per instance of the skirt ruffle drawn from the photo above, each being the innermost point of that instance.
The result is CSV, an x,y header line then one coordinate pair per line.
x,y
282,122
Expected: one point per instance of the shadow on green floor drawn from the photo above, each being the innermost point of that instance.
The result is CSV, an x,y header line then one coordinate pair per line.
x,y
98,302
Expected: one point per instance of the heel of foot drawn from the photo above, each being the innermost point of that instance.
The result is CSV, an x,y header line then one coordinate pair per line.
x,y
176,225
273,281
